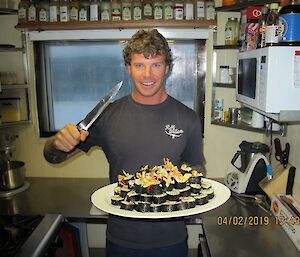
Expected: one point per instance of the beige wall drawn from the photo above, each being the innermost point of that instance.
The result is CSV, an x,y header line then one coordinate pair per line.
x,y
220,143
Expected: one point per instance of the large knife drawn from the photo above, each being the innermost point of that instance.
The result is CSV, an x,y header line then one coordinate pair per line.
x,y
99,108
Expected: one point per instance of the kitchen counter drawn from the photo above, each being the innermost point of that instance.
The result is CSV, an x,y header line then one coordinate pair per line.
x,y
71,198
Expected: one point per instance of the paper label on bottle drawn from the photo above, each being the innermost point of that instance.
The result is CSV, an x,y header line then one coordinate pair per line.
x,y
189,11
94,12
158,12
137,13
272,34
53,13
32,13
74,14
116,14
83,14
200,10
169,13
63,13
126,13
22,13
43,15
210,11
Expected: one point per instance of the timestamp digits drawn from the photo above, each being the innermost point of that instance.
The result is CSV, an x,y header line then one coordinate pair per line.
x,y
243,220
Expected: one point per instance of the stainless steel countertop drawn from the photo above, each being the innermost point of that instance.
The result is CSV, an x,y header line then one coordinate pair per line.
x,y
71,198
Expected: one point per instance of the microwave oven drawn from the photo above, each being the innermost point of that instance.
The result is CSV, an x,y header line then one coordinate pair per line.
x,y
268,79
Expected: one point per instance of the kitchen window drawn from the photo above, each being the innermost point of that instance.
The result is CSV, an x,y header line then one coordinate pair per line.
x,y
72,75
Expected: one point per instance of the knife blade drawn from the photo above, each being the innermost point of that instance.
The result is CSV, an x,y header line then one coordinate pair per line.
x,y
290,181
99,108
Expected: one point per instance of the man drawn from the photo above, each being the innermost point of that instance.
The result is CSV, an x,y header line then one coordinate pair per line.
x,y
136,130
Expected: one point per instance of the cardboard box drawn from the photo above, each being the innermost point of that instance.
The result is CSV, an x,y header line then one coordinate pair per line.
x,y
249,26
287,215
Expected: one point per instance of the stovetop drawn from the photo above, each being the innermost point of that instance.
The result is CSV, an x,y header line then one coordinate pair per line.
x,y
14,231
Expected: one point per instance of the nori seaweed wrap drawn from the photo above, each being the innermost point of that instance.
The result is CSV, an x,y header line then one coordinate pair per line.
x,y
125,205
201,199
169,206
116,199
142,207
155,207
161,198
173,195
146,198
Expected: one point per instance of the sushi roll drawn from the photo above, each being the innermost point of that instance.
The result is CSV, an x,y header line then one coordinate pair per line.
x,y
185,168
209,192
116,199
181,206
125,205
161,198
205,185
201,199
132,196
138,187
180,184
146,198
155,189
117,190
124,191
189,201
142,206
173,195
185,191
155,207
169,206
195,188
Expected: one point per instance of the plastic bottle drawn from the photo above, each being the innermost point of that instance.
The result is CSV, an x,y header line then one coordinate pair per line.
x,y
147,9
105,10
137,10
84,10
32,17
200,10
189,9
116,13
126,10
157,9
261,42
231,31
289,23
178,10
54,10
64,10
272,28
168,10
74,10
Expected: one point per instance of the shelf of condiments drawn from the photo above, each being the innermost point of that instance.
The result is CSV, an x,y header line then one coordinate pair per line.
x,y
262,26
114,10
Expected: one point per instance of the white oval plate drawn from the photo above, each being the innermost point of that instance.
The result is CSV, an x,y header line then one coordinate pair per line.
x,y
101,199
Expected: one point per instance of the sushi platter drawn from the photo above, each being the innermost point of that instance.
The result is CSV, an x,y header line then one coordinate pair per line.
x,y
163,191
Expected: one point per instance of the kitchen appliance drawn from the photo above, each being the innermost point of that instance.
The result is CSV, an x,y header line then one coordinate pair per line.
x,y
268,79
244,178
12,173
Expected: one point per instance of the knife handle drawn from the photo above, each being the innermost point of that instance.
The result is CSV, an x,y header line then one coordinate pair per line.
x,y
290,181
278,150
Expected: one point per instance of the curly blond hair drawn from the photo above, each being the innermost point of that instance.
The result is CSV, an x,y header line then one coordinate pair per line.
x,y
149,43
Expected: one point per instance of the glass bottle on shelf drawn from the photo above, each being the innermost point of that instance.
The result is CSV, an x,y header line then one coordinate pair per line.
x,y
231,31
158,9
178,10
210,12
168,10
64,10
74,9
147,9
200,10
84,10
272,28
32,11
126,10
94,10
189,9
137,10
54,10
261,41
116,10
43,12
105,10
23,11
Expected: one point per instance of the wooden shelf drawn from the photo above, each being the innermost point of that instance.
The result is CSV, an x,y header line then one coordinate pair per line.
x,y
116,24
225,47
11,49
240,6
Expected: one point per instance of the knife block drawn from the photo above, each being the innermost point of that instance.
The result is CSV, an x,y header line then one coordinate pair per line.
x,y
277,185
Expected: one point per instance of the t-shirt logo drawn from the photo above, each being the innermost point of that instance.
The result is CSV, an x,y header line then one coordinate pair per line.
x,y
172,131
